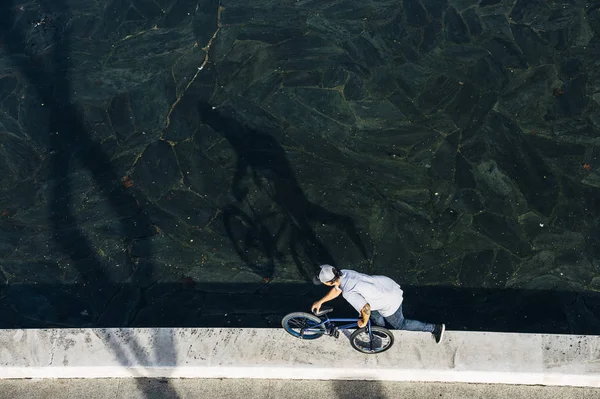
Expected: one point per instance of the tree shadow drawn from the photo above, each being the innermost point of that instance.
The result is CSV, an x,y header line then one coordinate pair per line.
x,y
251,230
130,353
68,142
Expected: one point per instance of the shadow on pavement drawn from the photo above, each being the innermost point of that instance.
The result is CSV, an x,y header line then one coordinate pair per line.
x,y
68,141
359,389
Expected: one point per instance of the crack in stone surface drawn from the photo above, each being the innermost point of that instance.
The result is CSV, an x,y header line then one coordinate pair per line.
x,y
206,49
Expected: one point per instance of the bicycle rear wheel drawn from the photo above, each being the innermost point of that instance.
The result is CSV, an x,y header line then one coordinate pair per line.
x,y
383,339
303,325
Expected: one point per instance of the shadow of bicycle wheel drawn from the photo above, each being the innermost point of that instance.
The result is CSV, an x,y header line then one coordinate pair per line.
x,y
274,219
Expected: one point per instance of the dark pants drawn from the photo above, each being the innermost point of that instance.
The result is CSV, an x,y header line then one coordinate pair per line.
x,y
398,322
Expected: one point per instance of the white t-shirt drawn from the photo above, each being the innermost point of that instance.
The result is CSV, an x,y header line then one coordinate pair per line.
x,y
382,293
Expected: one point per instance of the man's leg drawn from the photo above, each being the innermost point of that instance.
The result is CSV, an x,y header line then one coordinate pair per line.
x,y
398,321
377,318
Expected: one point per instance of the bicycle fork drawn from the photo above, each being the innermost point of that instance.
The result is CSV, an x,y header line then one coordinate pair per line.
x,y
370,332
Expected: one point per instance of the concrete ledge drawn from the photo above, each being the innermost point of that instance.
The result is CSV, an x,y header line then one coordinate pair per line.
x,y
475,357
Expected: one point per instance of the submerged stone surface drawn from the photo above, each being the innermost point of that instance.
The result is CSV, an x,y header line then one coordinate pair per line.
x,y
185,163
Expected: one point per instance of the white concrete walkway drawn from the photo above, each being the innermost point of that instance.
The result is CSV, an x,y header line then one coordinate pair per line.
x,y
472,357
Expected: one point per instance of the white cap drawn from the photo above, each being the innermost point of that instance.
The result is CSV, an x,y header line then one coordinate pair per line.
x,y
327,273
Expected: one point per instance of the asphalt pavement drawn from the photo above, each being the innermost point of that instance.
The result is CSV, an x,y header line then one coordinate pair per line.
x,y
275,389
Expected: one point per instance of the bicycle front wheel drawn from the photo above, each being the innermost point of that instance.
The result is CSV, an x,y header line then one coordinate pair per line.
x,y
383,339
303,325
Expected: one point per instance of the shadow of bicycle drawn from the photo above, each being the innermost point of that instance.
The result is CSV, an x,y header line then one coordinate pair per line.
x,y
275,220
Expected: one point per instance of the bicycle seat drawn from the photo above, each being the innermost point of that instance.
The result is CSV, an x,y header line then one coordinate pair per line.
x,y
324,310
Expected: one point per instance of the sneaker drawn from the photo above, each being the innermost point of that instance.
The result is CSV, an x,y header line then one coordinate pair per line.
x,y
438,332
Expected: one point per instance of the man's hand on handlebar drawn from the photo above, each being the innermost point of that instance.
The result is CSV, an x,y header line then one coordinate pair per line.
x,y
361,323
316,307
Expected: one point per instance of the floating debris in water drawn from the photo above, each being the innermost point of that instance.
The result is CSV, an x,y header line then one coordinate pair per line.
x,y
126,181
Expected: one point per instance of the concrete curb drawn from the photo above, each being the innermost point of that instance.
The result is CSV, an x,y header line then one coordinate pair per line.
x,y
475,357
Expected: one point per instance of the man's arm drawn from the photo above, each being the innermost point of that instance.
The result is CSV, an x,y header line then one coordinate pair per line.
x,y
332,294
365,313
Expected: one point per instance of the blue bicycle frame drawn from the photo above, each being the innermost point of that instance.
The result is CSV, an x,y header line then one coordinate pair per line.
x,y
329,325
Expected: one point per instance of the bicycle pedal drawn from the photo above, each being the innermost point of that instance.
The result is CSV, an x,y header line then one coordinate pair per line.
x,y
336,334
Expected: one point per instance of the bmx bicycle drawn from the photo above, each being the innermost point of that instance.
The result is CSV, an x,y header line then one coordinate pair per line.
x,y
369,339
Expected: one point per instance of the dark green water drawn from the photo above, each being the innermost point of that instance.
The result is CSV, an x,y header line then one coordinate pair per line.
x,y
191,163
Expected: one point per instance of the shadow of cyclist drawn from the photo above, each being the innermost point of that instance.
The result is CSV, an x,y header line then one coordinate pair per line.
x,y
260,154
